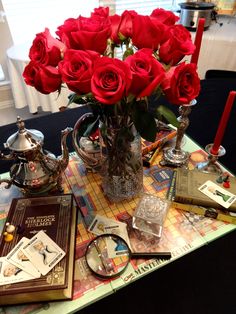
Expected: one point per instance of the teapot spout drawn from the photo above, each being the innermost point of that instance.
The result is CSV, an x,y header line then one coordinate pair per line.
x,y
64,159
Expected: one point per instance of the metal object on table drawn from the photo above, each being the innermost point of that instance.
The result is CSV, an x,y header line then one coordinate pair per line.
x,y
191,11
86,148
176,156
211,165
35,170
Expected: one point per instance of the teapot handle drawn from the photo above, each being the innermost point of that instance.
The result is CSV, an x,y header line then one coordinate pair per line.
x,y
90,156
8,181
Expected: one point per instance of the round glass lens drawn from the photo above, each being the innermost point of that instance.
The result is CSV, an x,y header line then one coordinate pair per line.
x,y
107,255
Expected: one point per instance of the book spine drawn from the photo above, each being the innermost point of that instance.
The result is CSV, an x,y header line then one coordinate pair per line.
x,y
171,191
194,201
206,212
152,146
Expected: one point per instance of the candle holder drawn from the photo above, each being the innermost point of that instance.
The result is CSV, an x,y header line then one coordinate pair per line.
x,y
210,166
176,156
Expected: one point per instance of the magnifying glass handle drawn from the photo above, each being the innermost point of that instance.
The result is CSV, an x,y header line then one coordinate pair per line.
x,y
161,255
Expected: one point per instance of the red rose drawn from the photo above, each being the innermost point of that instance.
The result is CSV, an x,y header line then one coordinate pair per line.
x,y
46,49
115,22
77,69
111,80
46,79
126,23
178,45
181,84
85,33
101,12
147,72
147,32
164,16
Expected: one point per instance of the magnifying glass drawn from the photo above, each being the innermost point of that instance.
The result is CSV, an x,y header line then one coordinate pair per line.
x,y
108,255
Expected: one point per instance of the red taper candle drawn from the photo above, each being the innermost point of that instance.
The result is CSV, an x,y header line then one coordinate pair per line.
x,y
223,122
198,40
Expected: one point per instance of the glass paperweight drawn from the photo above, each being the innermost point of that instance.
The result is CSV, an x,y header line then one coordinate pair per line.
x,y
150,214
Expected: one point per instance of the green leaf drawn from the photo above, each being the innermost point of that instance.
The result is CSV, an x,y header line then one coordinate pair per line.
x,y
169,115
91,128
145,124
88,127
78,99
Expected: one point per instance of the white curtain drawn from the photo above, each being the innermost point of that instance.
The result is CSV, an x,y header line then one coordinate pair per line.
x,y
29,17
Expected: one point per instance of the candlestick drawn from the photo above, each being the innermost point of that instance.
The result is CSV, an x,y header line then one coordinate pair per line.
x,y
198,40
211,165
175,156
223,123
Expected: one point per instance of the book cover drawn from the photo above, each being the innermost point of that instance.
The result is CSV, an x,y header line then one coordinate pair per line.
x,y
162,137
55,215
188,182
210,212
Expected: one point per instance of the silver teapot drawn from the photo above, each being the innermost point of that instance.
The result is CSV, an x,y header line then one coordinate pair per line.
x,y
35,171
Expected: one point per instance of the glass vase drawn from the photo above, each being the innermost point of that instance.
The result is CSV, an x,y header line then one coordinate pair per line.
x,y
121,166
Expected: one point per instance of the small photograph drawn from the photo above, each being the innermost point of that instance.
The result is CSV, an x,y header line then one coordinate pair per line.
x,y
10,273
43,252
18,258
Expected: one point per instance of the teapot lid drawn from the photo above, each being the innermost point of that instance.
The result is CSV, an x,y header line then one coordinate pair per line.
x,y
23,139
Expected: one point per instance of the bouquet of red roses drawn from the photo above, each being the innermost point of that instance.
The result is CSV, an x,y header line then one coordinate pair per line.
x,y
84,57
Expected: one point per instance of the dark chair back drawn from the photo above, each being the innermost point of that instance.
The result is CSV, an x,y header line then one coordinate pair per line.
x,y
213,74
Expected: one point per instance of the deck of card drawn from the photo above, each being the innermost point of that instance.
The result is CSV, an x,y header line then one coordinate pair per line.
x,y
30,259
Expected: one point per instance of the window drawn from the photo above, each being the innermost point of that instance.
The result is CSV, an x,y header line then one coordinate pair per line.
x,y
29,17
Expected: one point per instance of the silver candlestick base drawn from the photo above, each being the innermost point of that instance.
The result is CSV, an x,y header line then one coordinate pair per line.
x,y
210,166
176,156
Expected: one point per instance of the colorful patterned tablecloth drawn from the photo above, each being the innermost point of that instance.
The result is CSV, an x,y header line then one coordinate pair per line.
x,y
183,232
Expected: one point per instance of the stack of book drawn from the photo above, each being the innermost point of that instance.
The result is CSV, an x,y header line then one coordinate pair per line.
x,y
185,194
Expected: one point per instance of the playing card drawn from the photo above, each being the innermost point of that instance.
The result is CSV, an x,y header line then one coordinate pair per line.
x,y
10,274
17,257
101,225
43,252
217,193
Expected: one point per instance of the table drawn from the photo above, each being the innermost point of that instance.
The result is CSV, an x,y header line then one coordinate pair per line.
x,y
181,235
25,95
218,46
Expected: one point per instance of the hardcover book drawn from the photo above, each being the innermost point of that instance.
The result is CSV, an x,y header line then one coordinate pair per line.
x,y
56,216
188,182
210,212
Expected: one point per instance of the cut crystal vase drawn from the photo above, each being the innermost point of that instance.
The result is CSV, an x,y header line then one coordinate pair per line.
x,y
121,160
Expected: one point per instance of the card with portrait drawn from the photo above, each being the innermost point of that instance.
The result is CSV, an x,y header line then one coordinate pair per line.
x,y
17,257
43,252
10,273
